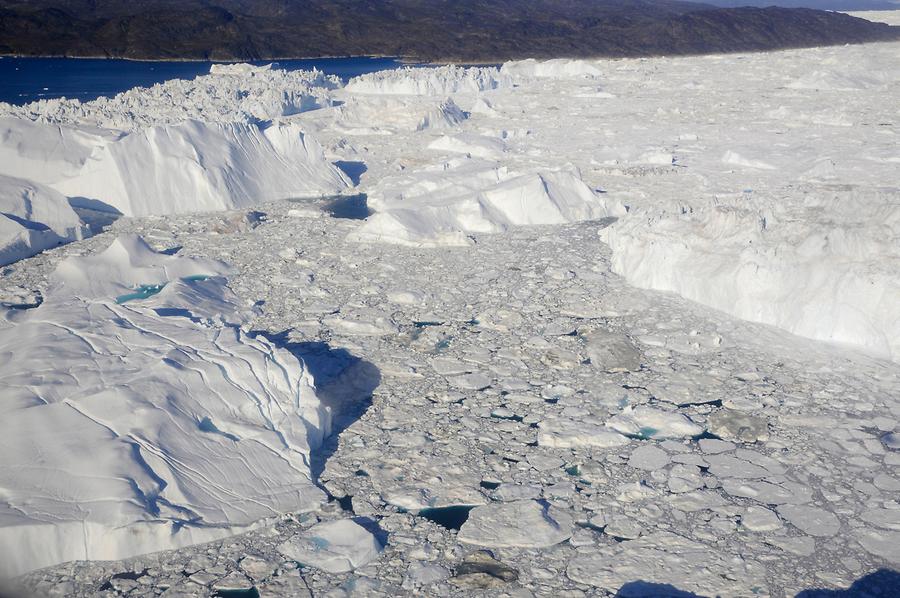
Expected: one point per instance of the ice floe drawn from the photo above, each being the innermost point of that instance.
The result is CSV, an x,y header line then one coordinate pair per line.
x,y
334,546
524,524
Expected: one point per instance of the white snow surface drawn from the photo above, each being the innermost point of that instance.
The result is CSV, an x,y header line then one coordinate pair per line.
x,y
33,218
147,423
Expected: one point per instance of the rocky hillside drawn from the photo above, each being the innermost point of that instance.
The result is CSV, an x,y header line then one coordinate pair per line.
x,y
454,30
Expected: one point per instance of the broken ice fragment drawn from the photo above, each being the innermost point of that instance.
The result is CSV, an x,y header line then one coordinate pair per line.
x,y
334,546
480,570
523,524
666,558
883,543
739,427
811,520
638,421
570,433
648,457
760,519
612,352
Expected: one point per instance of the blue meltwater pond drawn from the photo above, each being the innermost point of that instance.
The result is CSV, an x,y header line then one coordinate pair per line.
x,y
148,290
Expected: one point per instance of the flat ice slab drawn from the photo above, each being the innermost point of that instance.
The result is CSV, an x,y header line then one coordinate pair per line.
x,y
334,546
523,524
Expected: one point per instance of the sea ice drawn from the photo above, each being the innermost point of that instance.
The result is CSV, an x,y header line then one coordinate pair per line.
x,y
666,558
333,546
523,524
647,422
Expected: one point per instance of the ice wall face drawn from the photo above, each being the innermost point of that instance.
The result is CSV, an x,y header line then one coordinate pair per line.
x,y
33,218
826,269
138,416
188,167
441,81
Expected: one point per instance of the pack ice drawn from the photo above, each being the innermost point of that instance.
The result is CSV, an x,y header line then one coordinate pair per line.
x,y
138,416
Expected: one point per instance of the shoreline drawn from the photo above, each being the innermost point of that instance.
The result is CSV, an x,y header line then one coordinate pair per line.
x,y
402,59
410,61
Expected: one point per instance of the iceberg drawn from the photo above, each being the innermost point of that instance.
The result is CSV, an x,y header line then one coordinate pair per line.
x,y
230,93
557,68
149,423
441,81
824,267
33,218
445,204
189,167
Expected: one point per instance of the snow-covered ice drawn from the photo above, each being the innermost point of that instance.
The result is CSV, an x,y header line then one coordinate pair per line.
x,y
33,217
146,418
151,171
334,546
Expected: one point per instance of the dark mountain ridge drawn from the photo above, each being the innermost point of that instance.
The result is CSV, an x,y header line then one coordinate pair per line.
x,y
426,30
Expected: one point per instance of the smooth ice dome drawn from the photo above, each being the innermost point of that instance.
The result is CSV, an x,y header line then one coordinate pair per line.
x,y
137,416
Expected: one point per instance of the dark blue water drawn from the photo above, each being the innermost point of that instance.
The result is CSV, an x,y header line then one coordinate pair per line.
x,y
24,80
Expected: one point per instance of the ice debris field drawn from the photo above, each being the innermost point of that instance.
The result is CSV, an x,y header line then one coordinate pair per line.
x,y
560,328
